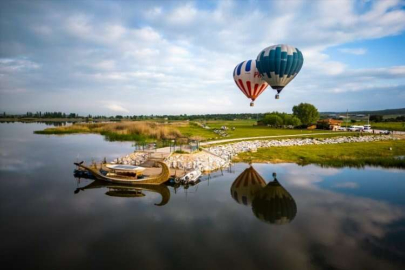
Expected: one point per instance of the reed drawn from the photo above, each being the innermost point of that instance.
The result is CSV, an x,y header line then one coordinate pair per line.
x,y
122,131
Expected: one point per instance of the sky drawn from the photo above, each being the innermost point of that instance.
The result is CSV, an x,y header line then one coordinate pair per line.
x,y
177,57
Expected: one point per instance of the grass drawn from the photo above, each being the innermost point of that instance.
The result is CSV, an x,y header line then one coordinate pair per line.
x,y
147,130
243,129
121,131
192,129
334,155
398,126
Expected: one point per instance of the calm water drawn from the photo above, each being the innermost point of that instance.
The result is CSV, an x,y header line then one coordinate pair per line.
x,y
328,218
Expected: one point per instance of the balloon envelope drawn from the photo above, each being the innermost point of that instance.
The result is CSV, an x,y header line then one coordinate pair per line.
x,y
279,64
249,80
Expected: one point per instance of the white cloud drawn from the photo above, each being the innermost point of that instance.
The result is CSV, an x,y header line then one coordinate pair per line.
x,y
15,65
146,34
178,49
153,12
355,51
116,108
182,15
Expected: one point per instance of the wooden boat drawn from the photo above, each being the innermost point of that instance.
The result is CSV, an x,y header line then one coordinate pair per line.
x,y
127,176
125,191
126,169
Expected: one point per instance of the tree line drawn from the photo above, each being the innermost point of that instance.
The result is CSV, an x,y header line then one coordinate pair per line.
x,y
230,116
303,114
380,118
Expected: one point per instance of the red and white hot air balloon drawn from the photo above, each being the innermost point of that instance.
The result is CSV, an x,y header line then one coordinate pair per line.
x,y
249,80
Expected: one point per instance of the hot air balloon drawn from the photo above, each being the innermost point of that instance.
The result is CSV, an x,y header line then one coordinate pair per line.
x,y
273,204
248,183
279,64
248,79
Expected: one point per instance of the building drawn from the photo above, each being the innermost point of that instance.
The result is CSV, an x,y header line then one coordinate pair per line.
x,y
329,123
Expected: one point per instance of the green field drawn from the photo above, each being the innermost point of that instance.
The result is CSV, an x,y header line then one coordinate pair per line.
x,y
398,126
335,155
148,130
243,129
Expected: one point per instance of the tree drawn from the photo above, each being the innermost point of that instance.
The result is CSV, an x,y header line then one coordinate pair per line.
x,y
376,118
306,112
290,120
273,120
294,121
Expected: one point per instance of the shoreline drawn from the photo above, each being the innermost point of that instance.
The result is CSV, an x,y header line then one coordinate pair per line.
x,y
381,150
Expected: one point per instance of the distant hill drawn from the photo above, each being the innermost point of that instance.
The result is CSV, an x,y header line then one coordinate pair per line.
x,y
381,112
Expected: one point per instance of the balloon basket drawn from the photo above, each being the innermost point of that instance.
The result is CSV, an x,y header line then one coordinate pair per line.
x,y
252,104
277,96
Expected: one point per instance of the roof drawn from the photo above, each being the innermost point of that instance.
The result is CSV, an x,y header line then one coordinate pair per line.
x,y
330,121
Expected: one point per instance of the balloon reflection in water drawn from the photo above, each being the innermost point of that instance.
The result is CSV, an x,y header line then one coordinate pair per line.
x,y
270,203
248,183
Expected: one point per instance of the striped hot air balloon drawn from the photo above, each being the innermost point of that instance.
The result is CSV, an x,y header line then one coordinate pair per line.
x,y
279,64
249,80
248,183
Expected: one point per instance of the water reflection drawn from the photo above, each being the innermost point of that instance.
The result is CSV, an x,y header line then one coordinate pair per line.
x,y
270,203
125,191
56,229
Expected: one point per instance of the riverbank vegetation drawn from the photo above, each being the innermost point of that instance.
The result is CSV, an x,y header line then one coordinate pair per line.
x,y
145,130
121,131
381,153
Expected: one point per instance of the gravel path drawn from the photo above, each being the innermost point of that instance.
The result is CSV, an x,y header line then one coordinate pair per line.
x,y
267,137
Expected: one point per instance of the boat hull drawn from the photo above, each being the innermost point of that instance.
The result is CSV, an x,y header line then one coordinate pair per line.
x,y
151,180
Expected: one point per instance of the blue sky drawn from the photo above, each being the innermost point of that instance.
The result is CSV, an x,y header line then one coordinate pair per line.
x,y
176,57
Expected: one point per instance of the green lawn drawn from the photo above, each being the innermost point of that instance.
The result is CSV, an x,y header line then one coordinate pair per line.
x,y
127,130
398,126
243,128
192,130
336,155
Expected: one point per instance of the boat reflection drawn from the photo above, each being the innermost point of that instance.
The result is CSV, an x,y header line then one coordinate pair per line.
x,y
133,191
270,202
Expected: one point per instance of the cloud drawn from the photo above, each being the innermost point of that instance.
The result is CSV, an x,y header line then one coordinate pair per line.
x,y
355,51
8,65
153,12
182,52
182,15
116,108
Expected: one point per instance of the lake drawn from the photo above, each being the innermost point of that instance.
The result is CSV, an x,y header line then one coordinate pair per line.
x,y
242,218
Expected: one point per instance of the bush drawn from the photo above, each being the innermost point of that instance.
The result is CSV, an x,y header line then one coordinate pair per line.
x,y
273,120
281,119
